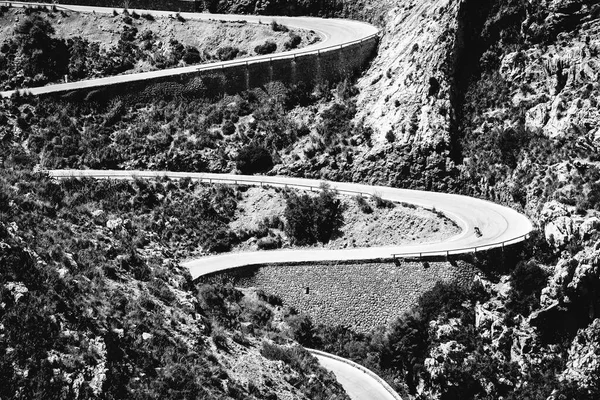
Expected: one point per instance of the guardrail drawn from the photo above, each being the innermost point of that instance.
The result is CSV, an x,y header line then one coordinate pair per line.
x,y
367,371
286,55
462,250
257,182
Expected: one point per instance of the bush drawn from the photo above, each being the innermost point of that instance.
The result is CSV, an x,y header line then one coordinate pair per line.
x,y
148,17
293,42
269,298
227,53
382,203
191,55
528,280
228,128
313,219
278,27
266,48
220,340
269,243
390,137
220,241
364,206
254,159
277,353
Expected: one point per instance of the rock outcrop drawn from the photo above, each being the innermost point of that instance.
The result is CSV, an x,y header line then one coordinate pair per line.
x,y
407,90
583,363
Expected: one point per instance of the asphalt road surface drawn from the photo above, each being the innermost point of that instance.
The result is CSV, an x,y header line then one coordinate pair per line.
x,y
358,384
484,225
333,33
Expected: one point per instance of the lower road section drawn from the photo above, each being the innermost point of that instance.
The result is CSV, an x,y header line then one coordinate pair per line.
x,y
485,225
359,383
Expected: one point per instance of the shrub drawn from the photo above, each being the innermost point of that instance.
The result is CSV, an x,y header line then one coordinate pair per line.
x,y
276,353
313,219
260,315
269,243
191,55
220,340
227,53
382,203
293,42
269,298
528,280
390,137
364,206
228,128
220,241
254,159
148,17
278,27
241,339
266,48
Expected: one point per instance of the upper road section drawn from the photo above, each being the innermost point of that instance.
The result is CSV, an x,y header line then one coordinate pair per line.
x,y
335,33
485,225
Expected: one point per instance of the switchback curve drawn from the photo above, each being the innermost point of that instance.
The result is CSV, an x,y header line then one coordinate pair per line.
x,y
496,225
335,34
484,225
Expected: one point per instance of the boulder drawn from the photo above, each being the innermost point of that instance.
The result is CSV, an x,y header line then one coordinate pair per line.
x,y
560,231
552,210
589,226
583,362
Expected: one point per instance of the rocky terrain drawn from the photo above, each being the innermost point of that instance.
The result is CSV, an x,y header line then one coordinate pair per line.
x,y
495,99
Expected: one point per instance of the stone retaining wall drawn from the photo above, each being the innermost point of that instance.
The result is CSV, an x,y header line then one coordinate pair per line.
x,y
357,295
328,66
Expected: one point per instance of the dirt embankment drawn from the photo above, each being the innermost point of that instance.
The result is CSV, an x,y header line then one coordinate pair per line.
x,y
383,226
157,35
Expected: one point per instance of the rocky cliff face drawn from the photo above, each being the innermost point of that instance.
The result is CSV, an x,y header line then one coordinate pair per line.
x,y
499,99
407,90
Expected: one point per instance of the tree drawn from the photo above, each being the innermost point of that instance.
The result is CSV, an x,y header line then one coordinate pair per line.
x,y
313,219
253,159
42,53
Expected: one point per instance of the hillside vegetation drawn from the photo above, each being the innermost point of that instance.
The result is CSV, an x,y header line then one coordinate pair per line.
x,y
95,305
41,45
494,99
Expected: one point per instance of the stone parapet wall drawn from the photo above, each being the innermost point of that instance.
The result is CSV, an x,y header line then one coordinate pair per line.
x,y
361,296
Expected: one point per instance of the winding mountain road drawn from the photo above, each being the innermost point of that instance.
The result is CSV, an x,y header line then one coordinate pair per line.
x,y
484,225
333,32
497,226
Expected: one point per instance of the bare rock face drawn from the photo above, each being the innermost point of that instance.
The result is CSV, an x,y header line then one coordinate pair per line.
x,y
576,280
560,231
589,226
584,356
439,355
560,226
406,91
558,82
